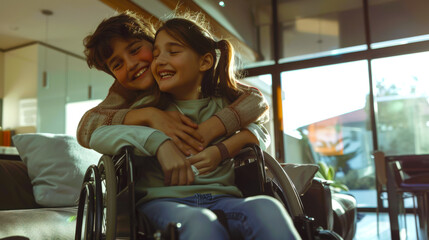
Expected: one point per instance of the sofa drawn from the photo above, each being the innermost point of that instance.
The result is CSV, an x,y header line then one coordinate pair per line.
x,y
331,210
39,192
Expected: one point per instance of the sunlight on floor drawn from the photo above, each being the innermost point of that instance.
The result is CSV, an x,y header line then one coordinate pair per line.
x,y
367,227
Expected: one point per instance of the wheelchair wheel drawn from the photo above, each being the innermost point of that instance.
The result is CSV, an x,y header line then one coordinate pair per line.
x,y
293,202
108,186
85,213
90,203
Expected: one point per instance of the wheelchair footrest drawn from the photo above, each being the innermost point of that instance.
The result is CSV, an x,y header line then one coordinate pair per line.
x,y
308,231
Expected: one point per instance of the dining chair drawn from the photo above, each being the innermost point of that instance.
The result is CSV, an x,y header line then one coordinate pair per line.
x,y
417,184
381,182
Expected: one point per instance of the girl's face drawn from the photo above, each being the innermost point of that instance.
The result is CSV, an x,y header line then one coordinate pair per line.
x,y
176,68
130,63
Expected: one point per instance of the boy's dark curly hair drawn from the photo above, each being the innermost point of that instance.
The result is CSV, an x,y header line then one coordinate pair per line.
x,y
126,25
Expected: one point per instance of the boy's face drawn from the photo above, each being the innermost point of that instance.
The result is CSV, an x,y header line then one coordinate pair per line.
x,y
176,67
130,63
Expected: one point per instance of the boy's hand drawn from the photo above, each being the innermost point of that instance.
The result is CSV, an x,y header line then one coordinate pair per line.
x,y
185,132
182,131
207,160
177,126
177,170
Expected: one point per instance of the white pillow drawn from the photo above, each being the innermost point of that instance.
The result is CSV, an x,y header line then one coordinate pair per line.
x,y
56,165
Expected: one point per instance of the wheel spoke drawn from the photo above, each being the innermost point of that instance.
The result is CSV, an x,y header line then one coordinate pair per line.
x,y
108,187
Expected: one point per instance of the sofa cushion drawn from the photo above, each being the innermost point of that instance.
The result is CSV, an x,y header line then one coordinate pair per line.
x,y
56,165
345,215
301,175
38,224
16,190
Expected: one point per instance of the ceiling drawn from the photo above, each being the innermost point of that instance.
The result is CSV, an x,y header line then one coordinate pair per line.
x,y
22,21
240,21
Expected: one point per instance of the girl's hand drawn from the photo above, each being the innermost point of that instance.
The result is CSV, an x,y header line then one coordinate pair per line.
x,y
177,170
207,160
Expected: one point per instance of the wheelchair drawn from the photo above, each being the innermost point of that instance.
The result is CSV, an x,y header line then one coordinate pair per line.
x,y
107,208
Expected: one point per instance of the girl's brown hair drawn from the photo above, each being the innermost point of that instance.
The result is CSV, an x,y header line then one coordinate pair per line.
x,y
126,25
221,78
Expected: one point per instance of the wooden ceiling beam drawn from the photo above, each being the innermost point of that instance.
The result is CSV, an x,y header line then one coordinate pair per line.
x,y
246,53
123,5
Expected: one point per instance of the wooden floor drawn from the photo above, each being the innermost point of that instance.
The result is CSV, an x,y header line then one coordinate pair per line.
x,y
367,227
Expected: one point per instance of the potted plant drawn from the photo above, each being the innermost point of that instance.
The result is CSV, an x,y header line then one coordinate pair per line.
x,y
328,173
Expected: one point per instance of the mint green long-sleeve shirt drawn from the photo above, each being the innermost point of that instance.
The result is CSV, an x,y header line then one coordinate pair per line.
x,y
150,185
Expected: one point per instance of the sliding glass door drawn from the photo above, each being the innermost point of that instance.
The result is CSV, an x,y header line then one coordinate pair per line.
x,y
326,119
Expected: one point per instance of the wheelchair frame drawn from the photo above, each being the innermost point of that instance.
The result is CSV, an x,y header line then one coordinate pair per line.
x,y
108,197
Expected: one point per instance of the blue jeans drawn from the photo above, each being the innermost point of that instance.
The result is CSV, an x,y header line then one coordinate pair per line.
x,y
259,217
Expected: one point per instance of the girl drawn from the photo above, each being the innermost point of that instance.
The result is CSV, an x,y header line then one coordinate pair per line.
x,y
186,66
122,47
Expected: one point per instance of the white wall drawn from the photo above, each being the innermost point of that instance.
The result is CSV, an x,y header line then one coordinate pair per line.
x,y
20,81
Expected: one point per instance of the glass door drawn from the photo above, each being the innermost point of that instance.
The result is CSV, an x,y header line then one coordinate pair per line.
x,y
326,119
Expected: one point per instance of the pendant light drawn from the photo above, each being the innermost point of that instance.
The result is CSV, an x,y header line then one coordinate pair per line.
x,y
47,13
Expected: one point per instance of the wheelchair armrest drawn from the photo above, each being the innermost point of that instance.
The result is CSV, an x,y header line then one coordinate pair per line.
x,y
250,175
249,154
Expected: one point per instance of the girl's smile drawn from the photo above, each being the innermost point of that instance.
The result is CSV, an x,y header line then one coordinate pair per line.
x,y
176,68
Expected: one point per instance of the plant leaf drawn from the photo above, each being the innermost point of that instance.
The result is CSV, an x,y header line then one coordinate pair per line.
x,y
339,186
331,173
323,170
71,218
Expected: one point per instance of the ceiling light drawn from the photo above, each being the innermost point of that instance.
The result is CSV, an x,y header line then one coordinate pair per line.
x,y
222,3
47,13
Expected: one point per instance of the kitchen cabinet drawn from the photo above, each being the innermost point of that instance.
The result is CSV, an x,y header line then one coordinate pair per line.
x,y
68,79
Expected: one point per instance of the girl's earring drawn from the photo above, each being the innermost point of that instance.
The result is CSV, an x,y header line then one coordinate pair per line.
x,y
199,91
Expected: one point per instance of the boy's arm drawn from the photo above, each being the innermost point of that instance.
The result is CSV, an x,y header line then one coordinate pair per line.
x,y
250,107
116,109
111,139
146,142
181,129
111,111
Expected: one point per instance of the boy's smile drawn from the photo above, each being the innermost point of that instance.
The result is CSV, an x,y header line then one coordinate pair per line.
x,y
130,63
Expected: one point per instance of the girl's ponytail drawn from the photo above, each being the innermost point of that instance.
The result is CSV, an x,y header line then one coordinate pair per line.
x,y
224,72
